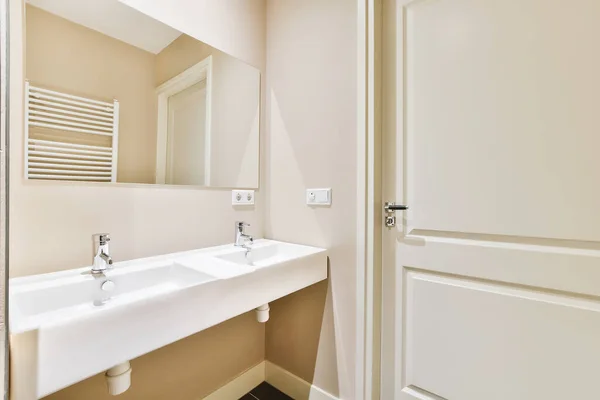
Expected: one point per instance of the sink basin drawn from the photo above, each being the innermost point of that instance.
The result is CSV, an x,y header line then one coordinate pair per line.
x,y
50,300
40,300
219,270
158,279
265,255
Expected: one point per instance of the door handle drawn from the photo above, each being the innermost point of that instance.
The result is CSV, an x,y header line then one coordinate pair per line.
x,y
391,208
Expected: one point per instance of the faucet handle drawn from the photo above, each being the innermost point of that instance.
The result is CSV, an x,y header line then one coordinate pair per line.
x,y
103,238
241,224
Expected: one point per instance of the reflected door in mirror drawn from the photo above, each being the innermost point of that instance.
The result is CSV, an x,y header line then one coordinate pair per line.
x,y
187,140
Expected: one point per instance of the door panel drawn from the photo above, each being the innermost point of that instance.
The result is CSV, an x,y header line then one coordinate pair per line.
x,y
469,339
502,118
492,279
549,267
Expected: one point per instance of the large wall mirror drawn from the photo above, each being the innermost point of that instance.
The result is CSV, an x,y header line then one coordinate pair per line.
x,y
116,96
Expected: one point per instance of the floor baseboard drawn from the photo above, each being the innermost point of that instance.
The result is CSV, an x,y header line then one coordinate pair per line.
x,y
274,375
241,385
295,387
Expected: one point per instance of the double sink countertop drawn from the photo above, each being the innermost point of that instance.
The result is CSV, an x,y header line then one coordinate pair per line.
x,y
65,327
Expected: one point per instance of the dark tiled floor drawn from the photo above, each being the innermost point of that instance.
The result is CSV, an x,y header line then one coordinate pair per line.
x,y
264,391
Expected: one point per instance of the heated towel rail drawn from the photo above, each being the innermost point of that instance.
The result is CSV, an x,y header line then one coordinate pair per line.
x,y
59,128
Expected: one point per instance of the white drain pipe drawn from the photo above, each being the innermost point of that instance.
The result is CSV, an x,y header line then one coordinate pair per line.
x,y
118,378
262,313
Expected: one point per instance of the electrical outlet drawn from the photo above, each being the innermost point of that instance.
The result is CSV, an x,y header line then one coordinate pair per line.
x,y
242,197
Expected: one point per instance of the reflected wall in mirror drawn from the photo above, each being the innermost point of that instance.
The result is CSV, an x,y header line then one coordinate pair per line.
x,y
116,96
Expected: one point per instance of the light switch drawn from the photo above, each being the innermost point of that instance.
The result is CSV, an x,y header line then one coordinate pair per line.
x,y
318,197
242,197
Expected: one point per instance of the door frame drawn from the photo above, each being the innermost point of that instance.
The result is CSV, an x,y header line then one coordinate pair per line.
x,y
196,73
369,201
390,67
392,128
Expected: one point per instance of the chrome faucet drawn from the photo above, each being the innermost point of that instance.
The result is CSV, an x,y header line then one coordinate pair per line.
x,y
241,238
102,259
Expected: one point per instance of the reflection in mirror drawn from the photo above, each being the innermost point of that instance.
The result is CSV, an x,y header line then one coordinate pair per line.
x,y
116,96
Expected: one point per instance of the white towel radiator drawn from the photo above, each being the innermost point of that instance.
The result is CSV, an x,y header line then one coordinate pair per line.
x,y
62,122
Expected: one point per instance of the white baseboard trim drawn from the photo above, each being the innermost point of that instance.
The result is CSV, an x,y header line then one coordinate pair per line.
x,y
295,387
241,385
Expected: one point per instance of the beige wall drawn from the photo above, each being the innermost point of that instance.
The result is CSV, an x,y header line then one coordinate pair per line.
x,y
52,223
183,53
311,142
72,58
235,109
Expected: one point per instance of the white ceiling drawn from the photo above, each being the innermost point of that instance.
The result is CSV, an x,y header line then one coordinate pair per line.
x,y
115,19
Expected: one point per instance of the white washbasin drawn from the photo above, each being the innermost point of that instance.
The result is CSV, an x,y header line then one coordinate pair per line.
x,y
64,328
216,268
266,254
52,300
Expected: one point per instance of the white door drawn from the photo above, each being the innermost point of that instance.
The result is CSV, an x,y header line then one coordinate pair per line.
x,y
492,126
186,136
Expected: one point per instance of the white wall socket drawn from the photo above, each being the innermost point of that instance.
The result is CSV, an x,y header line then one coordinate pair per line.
x,y
318,197
242,197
